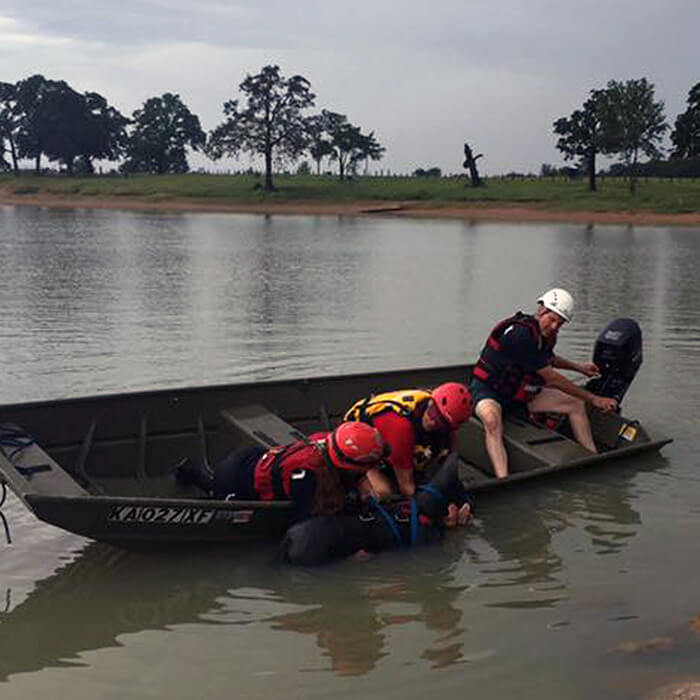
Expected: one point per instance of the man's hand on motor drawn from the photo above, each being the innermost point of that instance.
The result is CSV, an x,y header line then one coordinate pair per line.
x,y
590,369
604,403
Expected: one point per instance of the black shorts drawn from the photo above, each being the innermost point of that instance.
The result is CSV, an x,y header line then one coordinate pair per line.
x,y
479,390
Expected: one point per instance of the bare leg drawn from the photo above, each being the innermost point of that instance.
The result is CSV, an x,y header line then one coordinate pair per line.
x,y
558,402
491,416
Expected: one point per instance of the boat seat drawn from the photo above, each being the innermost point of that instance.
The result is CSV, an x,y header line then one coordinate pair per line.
x,y
253,424
34,473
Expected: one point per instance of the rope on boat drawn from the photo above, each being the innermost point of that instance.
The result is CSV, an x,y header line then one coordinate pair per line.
x,y
12,441
15,439
2,515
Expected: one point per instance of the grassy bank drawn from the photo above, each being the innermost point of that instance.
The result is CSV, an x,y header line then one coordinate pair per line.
x,y
660,196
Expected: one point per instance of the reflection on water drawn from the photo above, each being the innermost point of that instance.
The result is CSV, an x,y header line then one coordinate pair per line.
x,y
535,599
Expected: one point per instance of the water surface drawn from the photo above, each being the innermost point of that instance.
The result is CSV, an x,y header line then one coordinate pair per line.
x,y
581,586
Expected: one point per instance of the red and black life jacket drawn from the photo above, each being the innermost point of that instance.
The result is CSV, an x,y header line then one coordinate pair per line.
x,y
502,374
273,472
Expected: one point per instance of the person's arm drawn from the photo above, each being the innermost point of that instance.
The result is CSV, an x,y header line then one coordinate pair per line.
x,y
588,369
398,432
554,379
374,485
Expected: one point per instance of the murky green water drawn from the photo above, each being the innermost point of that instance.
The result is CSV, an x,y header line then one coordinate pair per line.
x,y
581,586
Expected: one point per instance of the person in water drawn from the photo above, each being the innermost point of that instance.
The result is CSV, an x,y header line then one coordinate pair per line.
x,y
419,520
419,426
315,473
515,373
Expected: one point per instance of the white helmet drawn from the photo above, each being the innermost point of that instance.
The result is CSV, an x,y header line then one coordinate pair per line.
x,y
559,301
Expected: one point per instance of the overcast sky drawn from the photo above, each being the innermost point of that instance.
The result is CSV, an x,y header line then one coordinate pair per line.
x,y
425,76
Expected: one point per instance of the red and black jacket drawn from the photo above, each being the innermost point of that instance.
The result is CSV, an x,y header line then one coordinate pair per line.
x,y
273,473
503,374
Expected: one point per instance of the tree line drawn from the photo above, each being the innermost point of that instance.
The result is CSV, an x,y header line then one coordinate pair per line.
x,y
42,118
626,120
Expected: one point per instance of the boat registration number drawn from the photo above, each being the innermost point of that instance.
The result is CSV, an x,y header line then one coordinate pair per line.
x,y
162,515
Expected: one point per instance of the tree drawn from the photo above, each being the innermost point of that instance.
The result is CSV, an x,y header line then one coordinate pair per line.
x,y
470,163
319,146
162,130
632,122
36,99
270,123
9,126
581,135
103,131
686,134
349,144
368,148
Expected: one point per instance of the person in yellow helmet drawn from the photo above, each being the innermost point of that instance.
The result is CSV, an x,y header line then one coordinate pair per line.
x,y
516,371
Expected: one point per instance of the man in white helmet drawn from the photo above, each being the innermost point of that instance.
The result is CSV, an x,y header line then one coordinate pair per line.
x,y
516,371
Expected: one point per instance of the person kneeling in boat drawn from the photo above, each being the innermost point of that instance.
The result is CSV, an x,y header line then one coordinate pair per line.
x,y
420,427
315,473
440,503
515,374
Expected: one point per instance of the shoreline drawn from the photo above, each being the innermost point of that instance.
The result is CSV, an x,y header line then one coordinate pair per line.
x,y
499,212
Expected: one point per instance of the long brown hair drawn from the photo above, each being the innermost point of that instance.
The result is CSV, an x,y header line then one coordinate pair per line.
x,y
329,496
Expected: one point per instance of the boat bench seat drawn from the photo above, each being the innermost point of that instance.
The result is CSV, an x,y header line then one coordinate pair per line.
x,y
33,472
253,424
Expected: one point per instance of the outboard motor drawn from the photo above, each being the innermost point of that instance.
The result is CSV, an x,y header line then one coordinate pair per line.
x,y
618,354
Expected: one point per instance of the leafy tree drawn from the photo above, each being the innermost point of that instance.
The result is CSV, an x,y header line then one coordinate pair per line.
x,y
430,172
319,146
36,101
350,145
633,123
9,125
103,131
162,130
270,123
48,117
686,134
368,148
581,135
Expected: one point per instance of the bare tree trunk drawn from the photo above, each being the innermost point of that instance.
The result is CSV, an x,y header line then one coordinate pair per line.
x,y
470,164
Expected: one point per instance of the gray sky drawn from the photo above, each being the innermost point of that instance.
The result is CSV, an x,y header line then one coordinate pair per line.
x,y
424,76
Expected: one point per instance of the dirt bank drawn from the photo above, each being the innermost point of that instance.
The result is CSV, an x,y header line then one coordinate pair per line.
x,y
499,212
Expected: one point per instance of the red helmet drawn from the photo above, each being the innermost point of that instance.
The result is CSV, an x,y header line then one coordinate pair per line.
x,y
355,445
454,402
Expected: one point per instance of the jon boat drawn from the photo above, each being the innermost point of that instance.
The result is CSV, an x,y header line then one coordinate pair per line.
x,y
103,466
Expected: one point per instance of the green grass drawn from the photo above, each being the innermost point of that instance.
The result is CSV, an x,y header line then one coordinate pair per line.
x,y
655,195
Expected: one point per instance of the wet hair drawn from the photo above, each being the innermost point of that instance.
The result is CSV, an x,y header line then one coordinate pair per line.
x,y
329,496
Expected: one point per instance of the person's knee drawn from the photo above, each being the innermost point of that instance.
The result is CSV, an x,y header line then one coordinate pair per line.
x,y
577,407
492,422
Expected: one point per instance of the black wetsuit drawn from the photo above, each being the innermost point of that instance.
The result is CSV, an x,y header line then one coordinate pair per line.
x,y
377,527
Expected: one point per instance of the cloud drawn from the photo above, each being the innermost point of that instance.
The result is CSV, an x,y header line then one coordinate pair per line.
x,y
424,76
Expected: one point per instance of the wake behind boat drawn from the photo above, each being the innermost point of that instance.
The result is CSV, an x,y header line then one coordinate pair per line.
x,y
104,466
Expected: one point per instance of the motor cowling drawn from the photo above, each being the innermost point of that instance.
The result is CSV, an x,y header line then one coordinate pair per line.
x,y
618,354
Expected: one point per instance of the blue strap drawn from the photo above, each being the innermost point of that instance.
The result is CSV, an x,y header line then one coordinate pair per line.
x,y
414,521
389,520
433,491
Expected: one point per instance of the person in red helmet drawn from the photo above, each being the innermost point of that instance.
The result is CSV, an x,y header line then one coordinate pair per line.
x,y
315,473
418,425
